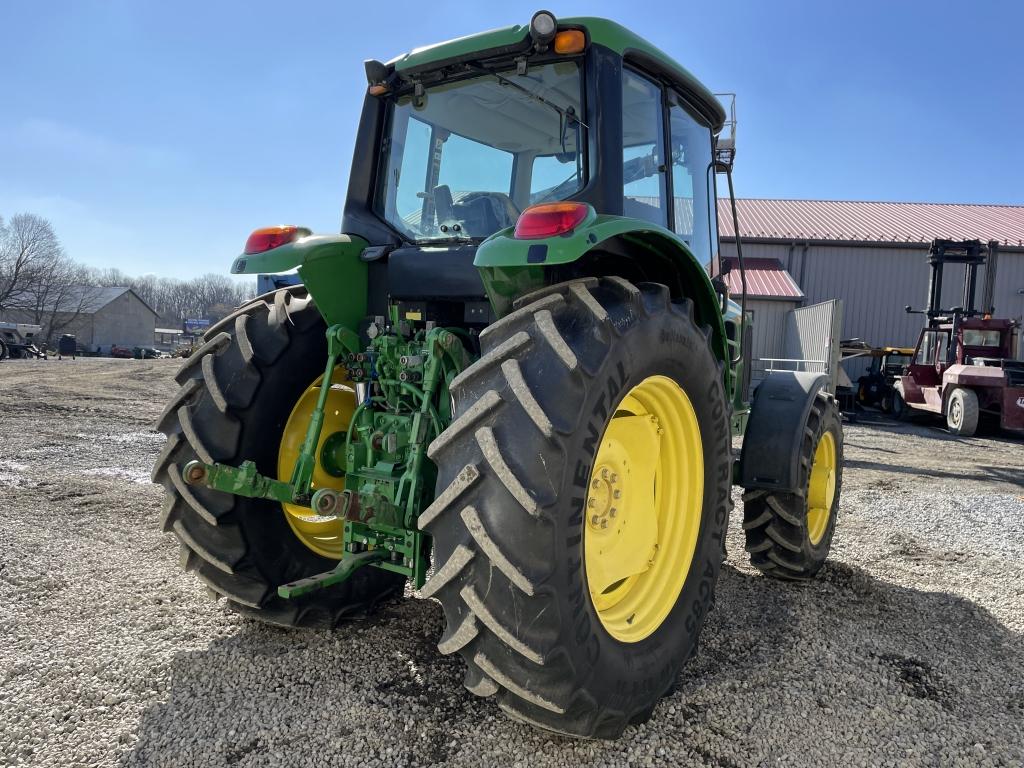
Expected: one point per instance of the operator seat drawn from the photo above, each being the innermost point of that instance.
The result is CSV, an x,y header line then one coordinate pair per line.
x,y
484,213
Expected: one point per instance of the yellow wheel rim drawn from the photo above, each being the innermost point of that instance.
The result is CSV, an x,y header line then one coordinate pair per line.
x,y
322,534
821,490
643,509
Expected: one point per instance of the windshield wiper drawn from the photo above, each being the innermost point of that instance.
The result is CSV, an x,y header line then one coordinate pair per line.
x,y
568,114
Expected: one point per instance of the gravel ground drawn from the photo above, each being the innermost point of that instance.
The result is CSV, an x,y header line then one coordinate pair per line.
x,y
907,651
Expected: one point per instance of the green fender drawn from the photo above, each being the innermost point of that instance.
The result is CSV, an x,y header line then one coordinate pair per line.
x,y
511,267
330,267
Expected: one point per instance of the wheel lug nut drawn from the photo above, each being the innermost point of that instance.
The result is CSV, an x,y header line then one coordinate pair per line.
x,y
604,523
613,512
592,503
616,494
604,473
614,478
595,520
596,484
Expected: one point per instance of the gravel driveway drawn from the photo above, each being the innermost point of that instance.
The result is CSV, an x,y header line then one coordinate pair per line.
x,y
907,651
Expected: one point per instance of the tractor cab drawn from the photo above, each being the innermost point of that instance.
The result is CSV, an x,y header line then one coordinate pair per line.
x,y
469,148
581,110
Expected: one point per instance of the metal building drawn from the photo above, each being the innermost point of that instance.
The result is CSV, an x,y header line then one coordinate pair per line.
x,y
872,256
98,317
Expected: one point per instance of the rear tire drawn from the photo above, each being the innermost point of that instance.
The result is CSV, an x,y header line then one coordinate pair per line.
x,y
962,412
509,523
781,537
237,392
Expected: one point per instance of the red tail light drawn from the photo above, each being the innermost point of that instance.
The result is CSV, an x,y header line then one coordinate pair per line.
x,y
272,237
550,219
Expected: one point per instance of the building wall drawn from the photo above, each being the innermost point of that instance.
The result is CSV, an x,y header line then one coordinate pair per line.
x,y
876,284
125,321
80,327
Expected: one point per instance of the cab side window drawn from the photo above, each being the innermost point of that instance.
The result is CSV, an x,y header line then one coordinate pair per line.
x,y
933,348
693,186
643,150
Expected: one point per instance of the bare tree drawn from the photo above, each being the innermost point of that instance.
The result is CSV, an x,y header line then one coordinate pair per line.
x,y
40,283
61,295
210,296
29,249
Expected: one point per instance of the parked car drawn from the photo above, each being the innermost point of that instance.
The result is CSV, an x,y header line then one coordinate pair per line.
x,y
145,353
117,351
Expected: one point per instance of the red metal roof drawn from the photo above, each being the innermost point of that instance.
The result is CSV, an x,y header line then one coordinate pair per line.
x,y
873,222
766,279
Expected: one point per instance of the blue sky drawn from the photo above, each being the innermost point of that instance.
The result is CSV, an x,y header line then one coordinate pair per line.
x,y
156,135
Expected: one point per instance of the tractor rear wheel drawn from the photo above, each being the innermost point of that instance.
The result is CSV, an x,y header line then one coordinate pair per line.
x,y
583,495
962,412
789,534
240,392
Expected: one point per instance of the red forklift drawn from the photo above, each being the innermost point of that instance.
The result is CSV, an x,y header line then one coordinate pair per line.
x,y
964,364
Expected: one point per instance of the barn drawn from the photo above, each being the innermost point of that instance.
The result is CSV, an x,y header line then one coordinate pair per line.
x,y
98,317
870,255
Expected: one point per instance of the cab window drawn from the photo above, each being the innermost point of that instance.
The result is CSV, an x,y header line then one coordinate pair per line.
x,y
553,177
979,338
643,150
932,348
695,217
457,158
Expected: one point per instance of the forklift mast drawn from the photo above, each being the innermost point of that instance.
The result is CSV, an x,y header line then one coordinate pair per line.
x,y
972,254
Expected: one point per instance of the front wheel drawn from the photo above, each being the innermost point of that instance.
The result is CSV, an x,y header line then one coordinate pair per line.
x,y
583,495
789,534
962,412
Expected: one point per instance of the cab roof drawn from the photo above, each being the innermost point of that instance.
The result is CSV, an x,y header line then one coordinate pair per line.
x,y
603,32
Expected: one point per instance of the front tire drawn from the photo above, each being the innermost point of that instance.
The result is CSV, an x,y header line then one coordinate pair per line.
x,y
962,412
510,523
238,390
789,534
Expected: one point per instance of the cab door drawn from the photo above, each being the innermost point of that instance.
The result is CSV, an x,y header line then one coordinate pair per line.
x,y
921,385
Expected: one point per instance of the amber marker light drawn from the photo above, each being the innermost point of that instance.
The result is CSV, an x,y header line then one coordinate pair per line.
x,y
570,41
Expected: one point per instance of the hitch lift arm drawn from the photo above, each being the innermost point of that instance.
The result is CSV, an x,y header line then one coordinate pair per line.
x,y
246,480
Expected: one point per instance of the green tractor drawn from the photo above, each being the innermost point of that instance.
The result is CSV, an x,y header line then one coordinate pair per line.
x,y
510,383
